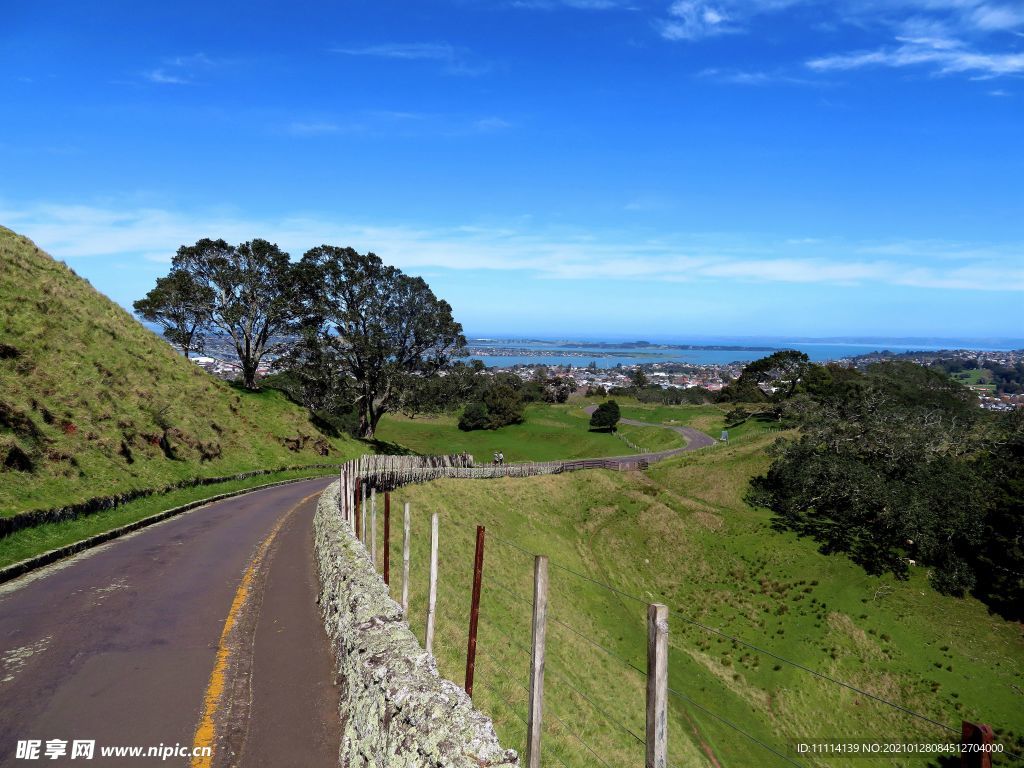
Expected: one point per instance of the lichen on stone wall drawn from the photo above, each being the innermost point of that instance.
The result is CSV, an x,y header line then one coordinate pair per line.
x,y
396,710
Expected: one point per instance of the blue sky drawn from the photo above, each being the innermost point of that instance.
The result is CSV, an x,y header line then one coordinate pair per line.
x,y
552,167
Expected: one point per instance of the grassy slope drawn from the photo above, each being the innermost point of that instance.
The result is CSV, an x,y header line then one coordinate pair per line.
x,y
549,432
681,534
88,378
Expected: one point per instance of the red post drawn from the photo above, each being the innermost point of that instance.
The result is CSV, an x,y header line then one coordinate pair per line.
x,y
387,538
474,612
976,736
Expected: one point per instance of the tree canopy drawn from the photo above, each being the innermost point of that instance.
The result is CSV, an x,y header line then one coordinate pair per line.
x,y
606,416
181,305
250,294
386,327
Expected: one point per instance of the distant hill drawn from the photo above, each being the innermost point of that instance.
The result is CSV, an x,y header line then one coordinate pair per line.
x,y
92,403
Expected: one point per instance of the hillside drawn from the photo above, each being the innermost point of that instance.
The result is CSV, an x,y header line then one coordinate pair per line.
x,y
681,534
92,403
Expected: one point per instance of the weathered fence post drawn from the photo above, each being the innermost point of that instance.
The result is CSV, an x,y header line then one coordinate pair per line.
x,y
362,516
432,599
474,609
980,735
540,619
373,526
657,686
407,528
359,510
387,538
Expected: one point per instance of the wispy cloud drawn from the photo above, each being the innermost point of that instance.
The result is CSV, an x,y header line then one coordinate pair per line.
x,y
179,70
456,61
943,55
696,19
163,77
149,234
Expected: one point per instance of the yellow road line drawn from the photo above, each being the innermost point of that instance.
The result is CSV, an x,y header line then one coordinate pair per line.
x,y
206,731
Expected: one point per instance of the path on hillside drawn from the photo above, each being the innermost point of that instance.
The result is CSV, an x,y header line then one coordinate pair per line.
x,y
120,646
695,439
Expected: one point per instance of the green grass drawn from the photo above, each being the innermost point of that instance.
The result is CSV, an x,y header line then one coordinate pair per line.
x,y
681,534
34,541
87,394
549,432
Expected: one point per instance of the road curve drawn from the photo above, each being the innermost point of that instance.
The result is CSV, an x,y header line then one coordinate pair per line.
x,y
118,645
695,439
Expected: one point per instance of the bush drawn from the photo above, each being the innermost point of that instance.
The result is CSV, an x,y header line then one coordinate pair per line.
x,y
606,416
474,416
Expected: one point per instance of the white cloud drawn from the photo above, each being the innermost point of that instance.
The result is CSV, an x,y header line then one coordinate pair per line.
x,y
150,234
695,19
946,56
163,77
412,51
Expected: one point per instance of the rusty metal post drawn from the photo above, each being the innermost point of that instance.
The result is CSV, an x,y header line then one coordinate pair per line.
x,y
474,610
977,736
387,538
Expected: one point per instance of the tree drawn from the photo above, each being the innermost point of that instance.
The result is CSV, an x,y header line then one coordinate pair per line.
x,y
504,405
180,305
606,416
251,292
474,416
638,377
386,327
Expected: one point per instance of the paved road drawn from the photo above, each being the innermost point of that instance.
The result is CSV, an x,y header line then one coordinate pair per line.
x,y
695,439
120,646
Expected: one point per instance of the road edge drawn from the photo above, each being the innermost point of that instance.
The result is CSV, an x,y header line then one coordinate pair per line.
x,y
22,567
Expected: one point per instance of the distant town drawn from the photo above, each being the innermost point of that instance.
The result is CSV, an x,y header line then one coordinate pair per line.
x,y
971,366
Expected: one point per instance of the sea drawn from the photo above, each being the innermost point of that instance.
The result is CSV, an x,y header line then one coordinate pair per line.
x,y
508,352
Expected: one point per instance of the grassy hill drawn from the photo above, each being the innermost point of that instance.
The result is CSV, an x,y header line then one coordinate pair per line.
x,y
549,432
681,534
92,403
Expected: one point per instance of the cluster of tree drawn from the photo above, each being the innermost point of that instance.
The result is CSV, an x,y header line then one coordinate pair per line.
x,y
896,464
642,389
606,416
1008,379
367,331
498,400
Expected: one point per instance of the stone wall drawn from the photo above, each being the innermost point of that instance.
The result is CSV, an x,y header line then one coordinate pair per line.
x,y
396,710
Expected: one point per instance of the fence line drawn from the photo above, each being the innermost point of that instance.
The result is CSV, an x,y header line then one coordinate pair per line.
x,y
363,477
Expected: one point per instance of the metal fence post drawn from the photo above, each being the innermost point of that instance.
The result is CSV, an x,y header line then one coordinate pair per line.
x,y
474,608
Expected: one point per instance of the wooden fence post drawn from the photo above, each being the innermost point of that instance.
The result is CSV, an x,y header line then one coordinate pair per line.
x,y
540,618
474,609
977,734
657,686
432,599
373,526
359,510
362,516
407,528
387,538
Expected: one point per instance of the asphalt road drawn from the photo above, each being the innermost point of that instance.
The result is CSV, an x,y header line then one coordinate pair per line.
x,y
695,439
120,645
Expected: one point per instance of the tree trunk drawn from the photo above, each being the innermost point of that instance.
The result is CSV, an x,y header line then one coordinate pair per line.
x,y
248,375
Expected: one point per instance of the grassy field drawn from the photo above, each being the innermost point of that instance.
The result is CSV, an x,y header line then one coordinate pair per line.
x,y
681,534
549,432
92,403
34,541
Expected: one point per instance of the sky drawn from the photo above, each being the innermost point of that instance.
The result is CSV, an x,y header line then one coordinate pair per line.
x,y
664,169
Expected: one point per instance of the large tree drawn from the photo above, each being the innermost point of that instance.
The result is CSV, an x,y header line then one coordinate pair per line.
x,y
181,306
387,327
252,294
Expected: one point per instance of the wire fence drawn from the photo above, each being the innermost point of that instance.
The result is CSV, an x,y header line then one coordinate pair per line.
x,y
595,678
